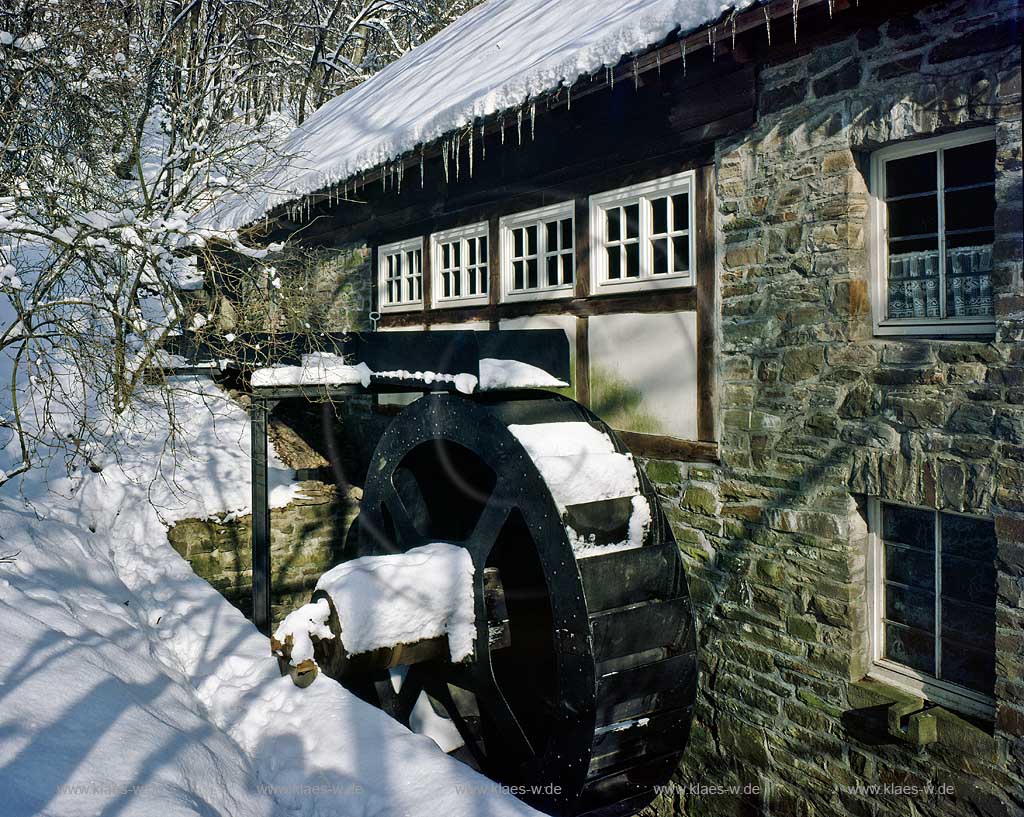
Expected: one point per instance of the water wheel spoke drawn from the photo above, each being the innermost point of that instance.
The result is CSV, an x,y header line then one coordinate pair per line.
x,y
488,527
405,530
494,706
409,692
438,689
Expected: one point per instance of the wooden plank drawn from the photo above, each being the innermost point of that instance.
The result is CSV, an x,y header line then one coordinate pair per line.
x,y
642,628
665,731
423,317
707,309
631,576
582,373
659,447
259,410
494,271
636,692
581,212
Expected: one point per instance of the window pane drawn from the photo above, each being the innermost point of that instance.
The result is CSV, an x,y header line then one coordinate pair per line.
x,y
472,279
517,274
632,213
446,284
909,567
551,231
972,668
968,580
913,217
968,281
482,272
483,249
632,260
552,270
517,242
531,273
908,526
456,283
457,254
567,238
614,263
971,209
567,268
660,246
531,240
471,253
910,647
914,284
968,537
614,233
446,255
915,608
419,288
391,292
915,174
969,164
681,253
659,215
968,602
681,211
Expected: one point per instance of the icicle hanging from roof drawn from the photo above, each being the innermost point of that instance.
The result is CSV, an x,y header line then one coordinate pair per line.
x,y
422,169
568,97
519,125
457,145
831,8
483,141
636,76
768,24
444,158
657,57
682,53
732,22
713,43
533,121
796,12
501,120
471,150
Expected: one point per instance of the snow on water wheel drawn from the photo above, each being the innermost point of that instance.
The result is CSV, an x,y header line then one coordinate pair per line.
x,y
583,678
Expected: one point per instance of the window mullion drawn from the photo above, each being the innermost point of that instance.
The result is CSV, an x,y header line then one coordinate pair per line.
x,y
938,595
646,253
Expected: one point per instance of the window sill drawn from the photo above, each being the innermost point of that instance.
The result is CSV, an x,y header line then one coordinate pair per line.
x,y
952,329
873,702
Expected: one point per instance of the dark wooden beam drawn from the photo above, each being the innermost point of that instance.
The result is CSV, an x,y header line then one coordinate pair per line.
x,y
258,414
659,447
582,373
645,301
707,308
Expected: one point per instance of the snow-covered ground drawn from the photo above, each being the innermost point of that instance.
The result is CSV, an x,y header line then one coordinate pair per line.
x,y
128,686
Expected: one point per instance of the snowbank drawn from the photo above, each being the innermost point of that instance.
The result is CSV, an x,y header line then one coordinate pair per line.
x,y
493,58
402,598
131,679
496,373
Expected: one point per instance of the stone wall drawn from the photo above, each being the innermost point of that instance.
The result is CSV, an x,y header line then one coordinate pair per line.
x,y
817,413
306,539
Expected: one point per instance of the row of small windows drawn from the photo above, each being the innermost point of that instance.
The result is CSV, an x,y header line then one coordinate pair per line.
x,y
640,237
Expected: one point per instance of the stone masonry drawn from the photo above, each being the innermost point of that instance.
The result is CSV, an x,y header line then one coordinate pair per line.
x,y
817,414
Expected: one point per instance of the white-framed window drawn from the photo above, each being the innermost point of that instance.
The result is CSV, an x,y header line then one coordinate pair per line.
x,y
460,267
933,227
400,275
538,254
642,236
932,604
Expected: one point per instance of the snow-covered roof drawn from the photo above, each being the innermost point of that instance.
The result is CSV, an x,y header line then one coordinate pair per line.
x,y
491,59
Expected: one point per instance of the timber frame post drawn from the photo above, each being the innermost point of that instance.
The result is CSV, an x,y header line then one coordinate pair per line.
x,y
258,412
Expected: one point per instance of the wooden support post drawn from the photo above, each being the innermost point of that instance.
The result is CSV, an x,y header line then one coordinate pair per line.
x,y
258,411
